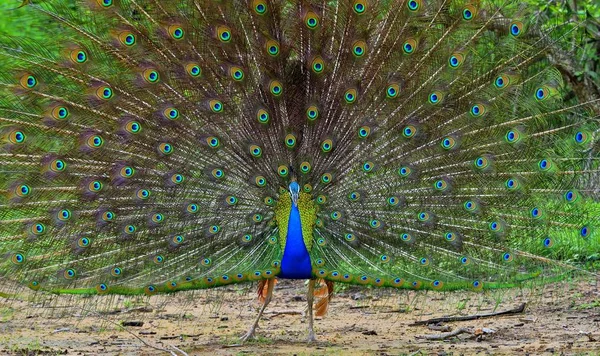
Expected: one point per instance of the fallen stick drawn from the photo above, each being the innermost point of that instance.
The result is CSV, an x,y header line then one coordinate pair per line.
x,y
517,310
284,312
444,336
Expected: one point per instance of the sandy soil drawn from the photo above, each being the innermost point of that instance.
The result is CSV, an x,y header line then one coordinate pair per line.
x,y
560,318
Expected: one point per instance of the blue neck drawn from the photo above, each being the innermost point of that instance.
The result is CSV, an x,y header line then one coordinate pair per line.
x,y
295,263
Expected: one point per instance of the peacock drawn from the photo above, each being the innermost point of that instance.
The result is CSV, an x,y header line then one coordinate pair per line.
x,y
158,146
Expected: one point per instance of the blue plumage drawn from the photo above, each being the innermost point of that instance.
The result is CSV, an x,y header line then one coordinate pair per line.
x,y
295,263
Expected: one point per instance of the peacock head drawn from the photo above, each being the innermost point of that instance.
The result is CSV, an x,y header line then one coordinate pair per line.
x,y
294,188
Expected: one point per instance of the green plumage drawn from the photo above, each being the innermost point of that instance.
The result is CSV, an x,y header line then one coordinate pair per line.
x,y
149,146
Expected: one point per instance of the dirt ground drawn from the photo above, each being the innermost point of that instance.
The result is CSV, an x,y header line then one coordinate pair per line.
x,y
561,318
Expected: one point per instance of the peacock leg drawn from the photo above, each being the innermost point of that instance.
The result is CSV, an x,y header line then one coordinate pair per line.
x,y
310,298
250,333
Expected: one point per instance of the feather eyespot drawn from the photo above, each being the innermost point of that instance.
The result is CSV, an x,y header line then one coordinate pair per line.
x,y
127,38
456,60
272,48
478,110
311,20
305,167
37,229
571,196
404,171
413,5
157,218
585,231
151,76
321,199
436,97
104,93
213,142
78,56
327,145
283,171
359,6
359,48
22,190
262,116
481,163
393,201
368,166
392,90
471,206
94,141
410,46
275,88
409,131
350,96
176,32
69,274
516,28
133,127
290,140
469,12
312,113
177,178
260,181
216,106
108,216
84,242
193,70
105,3
63,215
165,148
17,258
513,136
116,272
354,196
218,173
545,165
326,178
127,172
259,7
236,73
364,132
448,143
28,81
142,194
318,65
505,80
406,237
255,151
171,113
59,113
224,33
16,137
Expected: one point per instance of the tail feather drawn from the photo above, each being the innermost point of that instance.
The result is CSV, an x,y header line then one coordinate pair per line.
x,y
148,146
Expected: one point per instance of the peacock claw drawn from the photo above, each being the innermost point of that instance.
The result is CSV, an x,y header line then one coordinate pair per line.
x,y
311,338
249,335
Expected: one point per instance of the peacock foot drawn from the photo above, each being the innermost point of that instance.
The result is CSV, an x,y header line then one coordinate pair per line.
x,y
311,337
249,335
